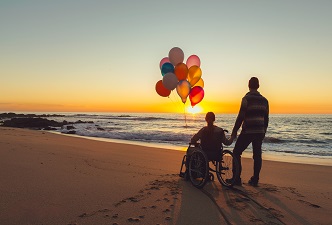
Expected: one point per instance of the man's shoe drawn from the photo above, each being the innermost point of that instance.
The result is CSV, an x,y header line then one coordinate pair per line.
x,y
253,182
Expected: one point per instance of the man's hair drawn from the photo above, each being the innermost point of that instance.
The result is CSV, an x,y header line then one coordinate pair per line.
x,y
210,117
253,83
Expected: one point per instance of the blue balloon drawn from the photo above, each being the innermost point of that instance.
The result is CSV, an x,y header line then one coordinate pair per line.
x,y
167,68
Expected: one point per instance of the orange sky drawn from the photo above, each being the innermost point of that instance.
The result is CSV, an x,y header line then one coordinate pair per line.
x,y
105,57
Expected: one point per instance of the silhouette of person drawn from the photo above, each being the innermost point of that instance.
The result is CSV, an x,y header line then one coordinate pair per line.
x,y
212,137
254,118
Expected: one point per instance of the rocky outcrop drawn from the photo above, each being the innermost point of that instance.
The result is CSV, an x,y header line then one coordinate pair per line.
x,y
16,115
36,123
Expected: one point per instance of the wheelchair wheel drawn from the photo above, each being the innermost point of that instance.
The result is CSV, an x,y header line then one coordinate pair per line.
x,y
225,169
198,169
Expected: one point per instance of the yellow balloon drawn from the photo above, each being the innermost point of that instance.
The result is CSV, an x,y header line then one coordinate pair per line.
x,y
194,74
183,90
200,83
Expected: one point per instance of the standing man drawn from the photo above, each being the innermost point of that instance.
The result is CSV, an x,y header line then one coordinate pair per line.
x,y
254,118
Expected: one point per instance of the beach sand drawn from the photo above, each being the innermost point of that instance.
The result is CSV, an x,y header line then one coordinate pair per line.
x,y
48,178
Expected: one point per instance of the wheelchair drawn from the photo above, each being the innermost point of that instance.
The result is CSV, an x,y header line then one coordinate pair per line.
x,y
199,168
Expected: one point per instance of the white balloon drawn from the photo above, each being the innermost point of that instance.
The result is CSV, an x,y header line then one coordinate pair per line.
x,y
176,56
170,81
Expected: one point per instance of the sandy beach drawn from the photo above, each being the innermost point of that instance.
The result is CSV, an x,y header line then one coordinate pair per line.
x,y
54,179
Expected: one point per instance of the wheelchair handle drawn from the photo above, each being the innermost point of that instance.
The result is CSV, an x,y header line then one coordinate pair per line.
x,y
194,144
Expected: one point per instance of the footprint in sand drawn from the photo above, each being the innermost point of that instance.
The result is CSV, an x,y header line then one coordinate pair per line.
x,y
133,219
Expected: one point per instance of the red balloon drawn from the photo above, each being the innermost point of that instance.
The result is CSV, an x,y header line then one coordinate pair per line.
x,y
196,95
161,90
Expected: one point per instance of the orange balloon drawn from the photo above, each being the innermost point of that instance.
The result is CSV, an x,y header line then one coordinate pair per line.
x,y
181,71
161,90
200,83
194,74
183,90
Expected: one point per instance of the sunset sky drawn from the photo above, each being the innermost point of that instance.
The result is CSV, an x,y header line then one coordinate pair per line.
x,y
103,56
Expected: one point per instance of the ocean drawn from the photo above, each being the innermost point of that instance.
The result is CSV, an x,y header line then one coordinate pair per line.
x,y
291,138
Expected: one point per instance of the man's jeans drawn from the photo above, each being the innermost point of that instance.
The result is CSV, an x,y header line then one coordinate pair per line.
x,y
242,143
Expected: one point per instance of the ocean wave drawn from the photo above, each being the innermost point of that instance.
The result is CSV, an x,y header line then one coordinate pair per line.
x,y
149,118
124,117
272,140
308,141
310,153
133,118
287,134
144,136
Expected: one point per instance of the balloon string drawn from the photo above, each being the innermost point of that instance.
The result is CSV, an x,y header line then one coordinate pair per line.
x,y
176,102
171,97
185,115
179,105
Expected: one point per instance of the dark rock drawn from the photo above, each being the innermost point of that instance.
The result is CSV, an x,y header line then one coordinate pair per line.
x,y
71,132
16,115
69,127
80,121
37,123
50,128
34,121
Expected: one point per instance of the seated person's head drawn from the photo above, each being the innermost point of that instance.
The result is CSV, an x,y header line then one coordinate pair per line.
x,y
210,117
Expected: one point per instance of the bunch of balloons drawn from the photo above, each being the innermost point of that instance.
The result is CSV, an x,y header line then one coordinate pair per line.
x,y
186,78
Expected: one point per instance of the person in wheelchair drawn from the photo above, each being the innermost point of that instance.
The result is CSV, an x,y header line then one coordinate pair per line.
x,y
211,138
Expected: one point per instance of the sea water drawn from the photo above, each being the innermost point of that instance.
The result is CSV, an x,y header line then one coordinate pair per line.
x,y
298,138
